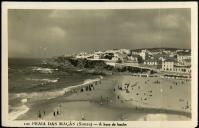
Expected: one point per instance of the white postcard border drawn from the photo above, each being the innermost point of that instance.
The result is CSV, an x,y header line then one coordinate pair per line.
x,y
103,5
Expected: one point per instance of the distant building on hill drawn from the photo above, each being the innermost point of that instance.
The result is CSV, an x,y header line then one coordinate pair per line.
x,y
83,55
184,59
143,54
151,62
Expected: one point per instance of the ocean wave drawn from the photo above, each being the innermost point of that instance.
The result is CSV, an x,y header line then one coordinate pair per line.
x,y
43,70
44,80
51,94
34,96
25,100
17,111
85,83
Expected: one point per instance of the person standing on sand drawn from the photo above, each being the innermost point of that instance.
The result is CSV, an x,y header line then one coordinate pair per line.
x,y
39,115
54,114
107,99
83,117
101,100
57,112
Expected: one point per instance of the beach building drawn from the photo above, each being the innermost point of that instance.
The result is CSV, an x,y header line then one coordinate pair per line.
x,y
186,62
168,65
173,66
151,62
183,56
182,69
184,59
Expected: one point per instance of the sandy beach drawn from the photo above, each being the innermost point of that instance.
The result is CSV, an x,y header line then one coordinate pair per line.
x,y
111,99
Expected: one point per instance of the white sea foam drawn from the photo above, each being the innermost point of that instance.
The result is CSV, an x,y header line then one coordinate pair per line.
x,y
43,70
35,96
17,112
45,80
25,100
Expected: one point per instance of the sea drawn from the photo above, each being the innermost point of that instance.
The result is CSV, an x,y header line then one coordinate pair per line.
x,y
29,82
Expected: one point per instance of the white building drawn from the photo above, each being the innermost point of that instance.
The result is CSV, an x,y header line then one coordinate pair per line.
x,y
84,55
184,59
181,58
98,55
143,54
151,62
168,65
125,51
132,58
182,69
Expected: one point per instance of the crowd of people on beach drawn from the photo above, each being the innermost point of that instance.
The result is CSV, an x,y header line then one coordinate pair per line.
x,y
88,87
142,97
56,112
142,93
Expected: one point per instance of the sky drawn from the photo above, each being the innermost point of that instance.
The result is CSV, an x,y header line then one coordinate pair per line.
x,y
49,33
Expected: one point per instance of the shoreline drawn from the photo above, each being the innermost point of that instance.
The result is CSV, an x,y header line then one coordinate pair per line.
x,y
95,105
15,114
43,95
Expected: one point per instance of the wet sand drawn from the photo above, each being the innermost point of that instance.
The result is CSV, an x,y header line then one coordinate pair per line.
x,y
103,103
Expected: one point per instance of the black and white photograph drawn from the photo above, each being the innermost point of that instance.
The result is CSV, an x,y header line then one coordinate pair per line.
x,y
127,64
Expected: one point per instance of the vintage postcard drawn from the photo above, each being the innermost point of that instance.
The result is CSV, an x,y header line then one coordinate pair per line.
x,y
111,64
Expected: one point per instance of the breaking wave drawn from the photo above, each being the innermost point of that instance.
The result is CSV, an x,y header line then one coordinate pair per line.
x,y
44,80
43,70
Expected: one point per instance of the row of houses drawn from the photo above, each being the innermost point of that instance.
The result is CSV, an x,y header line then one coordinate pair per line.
x,y
178,62
173,66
